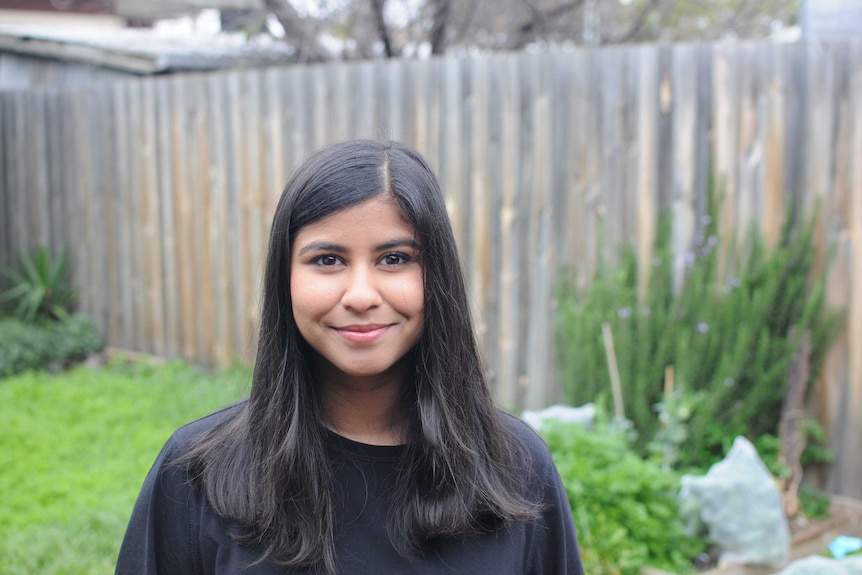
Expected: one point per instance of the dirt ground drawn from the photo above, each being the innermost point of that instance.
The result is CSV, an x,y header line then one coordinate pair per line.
x,y
811,539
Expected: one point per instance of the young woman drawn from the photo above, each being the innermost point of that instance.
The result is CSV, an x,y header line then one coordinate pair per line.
x,y
369,443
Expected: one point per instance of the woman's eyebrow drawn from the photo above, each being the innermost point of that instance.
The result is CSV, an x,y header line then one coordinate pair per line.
x,y
323,247
398,243
340,249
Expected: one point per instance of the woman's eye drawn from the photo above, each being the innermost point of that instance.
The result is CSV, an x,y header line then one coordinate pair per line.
x,y
326,261
395,259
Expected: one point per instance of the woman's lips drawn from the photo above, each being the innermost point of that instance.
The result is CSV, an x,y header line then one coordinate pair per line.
x,y
362,333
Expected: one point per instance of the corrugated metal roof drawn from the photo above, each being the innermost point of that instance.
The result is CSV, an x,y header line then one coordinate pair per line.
x,y
154,9
144,51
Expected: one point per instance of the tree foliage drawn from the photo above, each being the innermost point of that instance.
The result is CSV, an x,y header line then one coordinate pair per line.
x,y
396,28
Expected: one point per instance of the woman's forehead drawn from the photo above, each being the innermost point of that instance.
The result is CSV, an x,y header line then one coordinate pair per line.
x,y
374,221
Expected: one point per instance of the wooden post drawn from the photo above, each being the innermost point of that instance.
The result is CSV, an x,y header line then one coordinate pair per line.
x,y
790,432
616,386
668,380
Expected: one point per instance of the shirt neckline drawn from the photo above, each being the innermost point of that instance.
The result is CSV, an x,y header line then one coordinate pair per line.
x,y
364,450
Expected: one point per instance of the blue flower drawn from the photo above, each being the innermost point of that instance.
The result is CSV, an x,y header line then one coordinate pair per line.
x,y
688,258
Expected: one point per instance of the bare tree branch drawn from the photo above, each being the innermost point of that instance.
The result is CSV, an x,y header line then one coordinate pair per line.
x,y
440,21
377,7
636,26
732,21
467,20
297,31
527,31
514,24
664,13
536,24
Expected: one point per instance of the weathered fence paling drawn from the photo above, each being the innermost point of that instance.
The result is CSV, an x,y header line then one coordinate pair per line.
x,y
162,189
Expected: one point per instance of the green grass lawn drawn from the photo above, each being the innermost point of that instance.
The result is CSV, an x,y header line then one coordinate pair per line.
x,y
74,450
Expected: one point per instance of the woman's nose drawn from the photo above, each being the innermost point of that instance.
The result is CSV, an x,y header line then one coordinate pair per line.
x,y
361,292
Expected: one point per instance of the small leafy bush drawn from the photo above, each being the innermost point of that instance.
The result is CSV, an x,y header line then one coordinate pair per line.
x,y
725,327
624,507
45,344
40,287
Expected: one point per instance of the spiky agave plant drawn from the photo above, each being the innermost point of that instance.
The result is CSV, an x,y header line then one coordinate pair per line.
x,y
40,287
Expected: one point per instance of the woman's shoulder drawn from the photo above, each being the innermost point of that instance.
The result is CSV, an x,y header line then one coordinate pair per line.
x,y
188,433
532,442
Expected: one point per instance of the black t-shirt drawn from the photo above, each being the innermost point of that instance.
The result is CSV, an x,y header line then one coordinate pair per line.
x,y
173,530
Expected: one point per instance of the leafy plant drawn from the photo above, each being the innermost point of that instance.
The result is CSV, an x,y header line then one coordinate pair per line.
x,y
815,445
769,447
724,326
674,411
815,503
44,345
41,288
624,507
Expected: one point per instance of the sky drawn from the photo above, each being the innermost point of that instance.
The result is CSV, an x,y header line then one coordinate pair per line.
x,y
398,12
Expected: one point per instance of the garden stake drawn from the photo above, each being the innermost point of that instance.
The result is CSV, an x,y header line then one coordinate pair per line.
x,y
616,386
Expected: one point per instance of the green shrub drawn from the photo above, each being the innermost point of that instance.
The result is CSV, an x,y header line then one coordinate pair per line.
x,y
40,287
45,344
727,335
624,507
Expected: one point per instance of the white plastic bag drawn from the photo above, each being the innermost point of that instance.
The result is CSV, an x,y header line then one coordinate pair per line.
x,y
585,415
741,507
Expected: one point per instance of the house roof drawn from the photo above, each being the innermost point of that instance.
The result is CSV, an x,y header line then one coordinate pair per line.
x,y
143,51
148,10
156,9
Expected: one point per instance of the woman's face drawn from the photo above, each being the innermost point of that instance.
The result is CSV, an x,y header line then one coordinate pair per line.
x,y
357,290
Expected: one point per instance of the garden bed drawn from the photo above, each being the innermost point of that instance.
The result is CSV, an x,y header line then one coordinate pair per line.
x,y
846,520
812,539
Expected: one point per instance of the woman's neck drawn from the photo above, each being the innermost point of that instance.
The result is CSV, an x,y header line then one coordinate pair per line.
x,y
365,410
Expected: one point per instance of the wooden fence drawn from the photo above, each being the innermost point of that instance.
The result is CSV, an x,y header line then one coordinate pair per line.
x,y
163,188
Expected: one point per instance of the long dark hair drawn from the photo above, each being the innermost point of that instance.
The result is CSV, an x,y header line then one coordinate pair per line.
x,y
267,468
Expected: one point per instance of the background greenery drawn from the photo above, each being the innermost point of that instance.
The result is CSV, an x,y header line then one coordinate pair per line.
x,y
625,507
39,286
729,328
46,343
75,446
38,329
74,450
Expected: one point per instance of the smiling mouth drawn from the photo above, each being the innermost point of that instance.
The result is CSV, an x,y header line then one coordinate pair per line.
x,y
367,333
